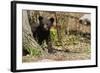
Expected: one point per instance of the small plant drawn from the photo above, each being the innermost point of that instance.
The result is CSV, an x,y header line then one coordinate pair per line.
x,y
35,52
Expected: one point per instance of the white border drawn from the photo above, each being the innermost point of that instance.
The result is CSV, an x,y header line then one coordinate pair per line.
x,y
37,65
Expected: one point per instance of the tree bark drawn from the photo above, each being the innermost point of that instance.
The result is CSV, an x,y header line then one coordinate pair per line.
x,y
28,41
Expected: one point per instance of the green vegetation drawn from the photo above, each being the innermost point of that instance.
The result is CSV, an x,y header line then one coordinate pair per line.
x,y
34,52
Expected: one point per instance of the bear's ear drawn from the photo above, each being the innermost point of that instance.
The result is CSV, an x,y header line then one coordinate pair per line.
x,y
40,18
51,19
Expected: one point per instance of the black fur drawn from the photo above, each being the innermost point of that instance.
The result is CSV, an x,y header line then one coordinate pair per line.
x,y
42,33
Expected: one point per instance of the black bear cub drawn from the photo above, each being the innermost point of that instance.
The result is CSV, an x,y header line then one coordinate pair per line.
x,y
42,32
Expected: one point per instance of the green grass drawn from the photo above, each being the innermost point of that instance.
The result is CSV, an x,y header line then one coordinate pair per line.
x,y
34,52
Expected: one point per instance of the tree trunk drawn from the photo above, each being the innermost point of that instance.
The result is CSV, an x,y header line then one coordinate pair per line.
x,y
28,42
